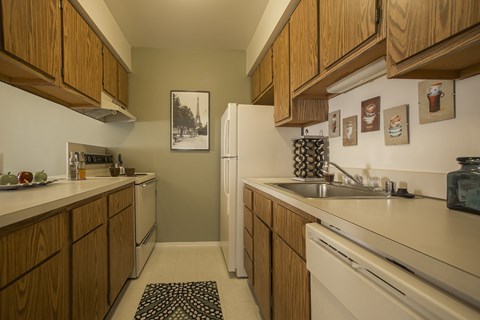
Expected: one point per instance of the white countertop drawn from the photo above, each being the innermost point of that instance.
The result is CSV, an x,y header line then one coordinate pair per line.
x,y
21,204
422,226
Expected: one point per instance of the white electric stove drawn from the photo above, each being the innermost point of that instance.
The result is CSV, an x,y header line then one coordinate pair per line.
x,y
98,160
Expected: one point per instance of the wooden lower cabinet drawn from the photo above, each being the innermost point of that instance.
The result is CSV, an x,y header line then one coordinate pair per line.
x,y
262,266
121,243
281,281
89,276
40,294
291,283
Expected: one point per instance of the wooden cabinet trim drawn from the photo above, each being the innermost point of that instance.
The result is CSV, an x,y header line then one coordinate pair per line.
x,y
281,78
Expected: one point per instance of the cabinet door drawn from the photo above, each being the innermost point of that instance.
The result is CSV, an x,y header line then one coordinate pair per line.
x,y
89,276
40,294
281,79
344,24
31,32
417,25
291,283
266,72
122,85
121,239
303,43
262,265
82,54
110,73
255,82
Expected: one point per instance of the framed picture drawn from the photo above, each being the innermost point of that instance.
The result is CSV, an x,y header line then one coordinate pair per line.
x,y
350,131
334,124
370,115
436,100
395,122
189,121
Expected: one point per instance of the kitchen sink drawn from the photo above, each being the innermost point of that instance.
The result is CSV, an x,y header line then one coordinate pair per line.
x,y
330,190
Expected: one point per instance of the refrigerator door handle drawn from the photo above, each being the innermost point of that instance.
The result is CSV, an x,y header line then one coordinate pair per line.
x,y
226,138
226,177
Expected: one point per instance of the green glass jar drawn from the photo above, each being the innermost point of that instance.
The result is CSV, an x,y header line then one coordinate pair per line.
x,y
463,186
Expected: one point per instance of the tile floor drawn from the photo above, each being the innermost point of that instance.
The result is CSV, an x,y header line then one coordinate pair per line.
x,y
183,264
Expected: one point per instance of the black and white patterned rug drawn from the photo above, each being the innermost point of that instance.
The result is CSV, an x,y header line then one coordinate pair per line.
x,y
180,301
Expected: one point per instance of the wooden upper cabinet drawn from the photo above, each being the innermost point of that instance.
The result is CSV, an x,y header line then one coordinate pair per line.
x,y
433,39
262,80
255,82
304,64
82,54
122,85
266,71
281,79
417,25
31,33
344,25
110,73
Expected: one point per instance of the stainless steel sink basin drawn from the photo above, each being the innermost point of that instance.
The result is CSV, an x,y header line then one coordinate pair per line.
x,y
328,190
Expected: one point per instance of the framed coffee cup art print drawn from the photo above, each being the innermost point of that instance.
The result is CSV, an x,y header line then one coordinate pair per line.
x,y
370,115
189,123
436,100
395,123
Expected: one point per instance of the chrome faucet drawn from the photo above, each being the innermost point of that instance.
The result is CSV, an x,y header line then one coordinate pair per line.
x,y
327,163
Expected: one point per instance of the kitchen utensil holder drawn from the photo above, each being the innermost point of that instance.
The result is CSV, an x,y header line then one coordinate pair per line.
x,y
309,154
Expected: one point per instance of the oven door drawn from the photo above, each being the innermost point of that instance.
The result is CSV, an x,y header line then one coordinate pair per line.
x,y
144,209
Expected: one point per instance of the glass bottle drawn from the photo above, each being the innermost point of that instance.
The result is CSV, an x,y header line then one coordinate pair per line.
x,y
463,186
72,167
81,171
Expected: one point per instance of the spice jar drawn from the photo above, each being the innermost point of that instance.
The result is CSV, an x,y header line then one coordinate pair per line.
x,y
463,186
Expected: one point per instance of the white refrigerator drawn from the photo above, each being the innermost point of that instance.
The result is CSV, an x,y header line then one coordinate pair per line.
x,y
251,146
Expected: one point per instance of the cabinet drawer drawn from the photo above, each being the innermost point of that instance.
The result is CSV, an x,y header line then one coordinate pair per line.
x,y
248,220
263,208
119,200
248,198
248,243
40,294
88,217
248,264
23,249
290,226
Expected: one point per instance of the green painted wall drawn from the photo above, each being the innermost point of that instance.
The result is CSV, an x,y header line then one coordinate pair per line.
x,y
188,186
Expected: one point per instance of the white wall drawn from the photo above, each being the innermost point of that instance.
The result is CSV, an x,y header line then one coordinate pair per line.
x,y
433,147
34,132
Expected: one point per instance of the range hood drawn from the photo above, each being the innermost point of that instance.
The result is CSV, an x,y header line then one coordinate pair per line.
x,y
109,111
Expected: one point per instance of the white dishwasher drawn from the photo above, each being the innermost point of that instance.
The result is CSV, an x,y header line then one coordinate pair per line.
x,y
351,282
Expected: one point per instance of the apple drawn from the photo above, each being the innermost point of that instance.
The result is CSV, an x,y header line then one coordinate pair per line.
x,y
24,177
40,176
8,179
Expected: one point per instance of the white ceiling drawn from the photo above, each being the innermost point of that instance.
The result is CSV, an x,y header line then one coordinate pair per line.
x,y
199,24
